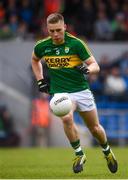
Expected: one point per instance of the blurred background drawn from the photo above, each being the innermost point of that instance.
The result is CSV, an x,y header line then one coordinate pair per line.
x,y
25,118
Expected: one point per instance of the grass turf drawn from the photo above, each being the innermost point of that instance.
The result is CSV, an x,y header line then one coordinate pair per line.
x,y
56,163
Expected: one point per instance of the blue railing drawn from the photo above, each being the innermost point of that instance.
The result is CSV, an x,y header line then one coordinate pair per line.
x,y
114,121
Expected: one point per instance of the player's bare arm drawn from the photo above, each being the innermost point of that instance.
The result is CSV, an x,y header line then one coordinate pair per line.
x,y
37,67
92,65
38,72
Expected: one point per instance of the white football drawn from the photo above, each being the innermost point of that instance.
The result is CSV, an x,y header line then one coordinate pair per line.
x,y
61,104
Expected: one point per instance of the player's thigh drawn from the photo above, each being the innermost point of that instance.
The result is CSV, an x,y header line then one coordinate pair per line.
x,y
90,118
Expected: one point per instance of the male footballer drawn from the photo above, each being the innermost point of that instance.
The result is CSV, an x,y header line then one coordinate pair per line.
x,y
69,62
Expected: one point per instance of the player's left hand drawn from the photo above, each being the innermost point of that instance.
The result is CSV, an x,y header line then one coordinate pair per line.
x,y
82,68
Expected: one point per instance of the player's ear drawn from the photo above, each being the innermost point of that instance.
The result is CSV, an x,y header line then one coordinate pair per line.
x,y
65,27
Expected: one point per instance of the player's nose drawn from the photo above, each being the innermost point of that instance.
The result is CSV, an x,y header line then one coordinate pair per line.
x,y
55,33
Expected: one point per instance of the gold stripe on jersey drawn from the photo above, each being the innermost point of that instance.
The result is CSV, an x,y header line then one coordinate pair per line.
x,y
84,44
42,40
62,61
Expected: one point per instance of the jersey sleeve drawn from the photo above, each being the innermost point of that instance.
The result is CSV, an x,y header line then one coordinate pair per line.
x,y
38,50
83,50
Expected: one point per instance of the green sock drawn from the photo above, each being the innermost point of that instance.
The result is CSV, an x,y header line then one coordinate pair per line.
x,y
106,148
76,146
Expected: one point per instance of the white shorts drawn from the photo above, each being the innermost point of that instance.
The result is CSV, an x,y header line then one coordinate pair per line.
x,y
83,100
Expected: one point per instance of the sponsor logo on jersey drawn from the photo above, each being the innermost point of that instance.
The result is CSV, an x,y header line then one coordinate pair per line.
x,y
58,62
47,50
62,61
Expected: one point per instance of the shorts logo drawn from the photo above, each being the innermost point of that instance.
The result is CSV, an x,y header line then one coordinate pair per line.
x,y
66,50
90,105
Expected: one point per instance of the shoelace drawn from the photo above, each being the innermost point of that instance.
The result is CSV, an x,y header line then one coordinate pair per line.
x,y
76,160
110,159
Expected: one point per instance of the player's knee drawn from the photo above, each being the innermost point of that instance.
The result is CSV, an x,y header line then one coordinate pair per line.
x,y
67,119
95,130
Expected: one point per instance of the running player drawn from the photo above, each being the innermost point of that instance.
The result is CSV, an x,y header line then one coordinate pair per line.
x,y
69,62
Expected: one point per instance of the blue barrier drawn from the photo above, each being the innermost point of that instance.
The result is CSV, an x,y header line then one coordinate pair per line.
x,y
115,122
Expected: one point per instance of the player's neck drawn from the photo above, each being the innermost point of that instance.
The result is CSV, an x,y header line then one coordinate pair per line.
x,y
59,43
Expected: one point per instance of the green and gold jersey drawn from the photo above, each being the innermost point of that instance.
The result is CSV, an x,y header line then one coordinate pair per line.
x,y
61,60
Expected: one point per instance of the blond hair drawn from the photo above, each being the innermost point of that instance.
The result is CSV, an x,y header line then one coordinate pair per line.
x,y
54,18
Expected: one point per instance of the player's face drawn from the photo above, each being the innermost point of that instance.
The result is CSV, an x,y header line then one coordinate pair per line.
x,y
56,31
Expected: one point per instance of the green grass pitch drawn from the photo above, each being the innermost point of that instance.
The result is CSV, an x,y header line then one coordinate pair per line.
x,y
56,163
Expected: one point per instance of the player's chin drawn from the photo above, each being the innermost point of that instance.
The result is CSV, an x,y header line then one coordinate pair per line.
x,y
57,40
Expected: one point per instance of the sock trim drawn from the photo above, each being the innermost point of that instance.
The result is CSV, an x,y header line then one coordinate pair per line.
x,y
78,149
106,149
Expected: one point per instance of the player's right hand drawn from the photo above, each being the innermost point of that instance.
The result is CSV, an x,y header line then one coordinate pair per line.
x,y
43,86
